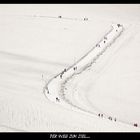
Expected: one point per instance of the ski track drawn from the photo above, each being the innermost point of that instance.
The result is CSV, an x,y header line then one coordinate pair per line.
x,y
61,93
104,68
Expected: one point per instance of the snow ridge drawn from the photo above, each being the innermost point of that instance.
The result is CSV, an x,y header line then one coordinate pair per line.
x,y
55,87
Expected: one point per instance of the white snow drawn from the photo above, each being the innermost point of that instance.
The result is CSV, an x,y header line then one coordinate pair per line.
x,y
35,42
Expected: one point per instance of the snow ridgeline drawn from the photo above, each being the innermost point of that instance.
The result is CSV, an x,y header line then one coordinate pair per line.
x,y
53,86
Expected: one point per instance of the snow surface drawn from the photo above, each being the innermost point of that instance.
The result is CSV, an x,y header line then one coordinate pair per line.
x,y
36,45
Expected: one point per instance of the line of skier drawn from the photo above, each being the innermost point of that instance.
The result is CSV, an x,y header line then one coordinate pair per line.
x,y
85,18
110,118
62,73
97,45
105,38
65,70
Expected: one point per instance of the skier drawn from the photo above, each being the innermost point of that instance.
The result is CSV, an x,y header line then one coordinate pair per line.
x,y
57,99
102,115
75,68
118,25
48,91
135,124
110,118
99,114
115,119
61,75
85,18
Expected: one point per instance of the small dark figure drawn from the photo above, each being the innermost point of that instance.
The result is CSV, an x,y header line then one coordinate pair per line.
x,y
115,120
105,38
96,45
99,45
85,18
118,25
61,76
135,124
75,68
102,115
59,16
99,114
104,41
64,70
57,99
110,118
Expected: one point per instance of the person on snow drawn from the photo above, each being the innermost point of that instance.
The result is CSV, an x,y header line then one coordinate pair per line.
x,y
110,118
65,70
102,115
57,99
48,91
85,18
118,25
135,124
75,68
99,114
61,75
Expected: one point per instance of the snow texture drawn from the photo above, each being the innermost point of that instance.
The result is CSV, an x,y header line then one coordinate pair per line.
x,y
38,42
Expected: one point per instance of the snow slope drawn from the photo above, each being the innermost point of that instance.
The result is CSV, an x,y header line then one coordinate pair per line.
x,y
113,88
56,85
32,45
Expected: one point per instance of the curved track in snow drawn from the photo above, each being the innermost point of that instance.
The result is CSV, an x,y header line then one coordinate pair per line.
x,y
55,87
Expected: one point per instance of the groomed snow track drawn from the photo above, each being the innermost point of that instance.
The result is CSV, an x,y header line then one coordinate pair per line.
x,y
55,87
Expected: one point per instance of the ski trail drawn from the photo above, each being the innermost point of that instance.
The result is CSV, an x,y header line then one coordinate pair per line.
x,y
54,89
